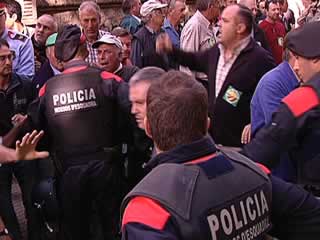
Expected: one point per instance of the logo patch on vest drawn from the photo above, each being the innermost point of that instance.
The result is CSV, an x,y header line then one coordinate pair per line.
x,y
243,219
232,96
74,100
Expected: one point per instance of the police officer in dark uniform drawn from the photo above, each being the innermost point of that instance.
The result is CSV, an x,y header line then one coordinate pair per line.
x,y
295,126
83,111
198,192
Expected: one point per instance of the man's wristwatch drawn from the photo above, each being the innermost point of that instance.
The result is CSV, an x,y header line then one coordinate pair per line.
x,y
4,232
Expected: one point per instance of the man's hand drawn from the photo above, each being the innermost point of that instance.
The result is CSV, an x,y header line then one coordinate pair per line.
x,y
19,119
25,150
246,134
163,44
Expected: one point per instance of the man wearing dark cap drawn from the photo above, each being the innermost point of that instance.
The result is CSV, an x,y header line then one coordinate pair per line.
x,y
295,126
84,111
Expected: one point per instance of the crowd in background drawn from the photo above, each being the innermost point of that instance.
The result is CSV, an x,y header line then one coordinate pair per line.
x,y
236,49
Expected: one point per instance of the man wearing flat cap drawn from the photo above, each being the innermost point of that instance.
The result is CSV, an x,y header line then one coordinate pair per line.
x,y
109,52
79,109
295,126
143,51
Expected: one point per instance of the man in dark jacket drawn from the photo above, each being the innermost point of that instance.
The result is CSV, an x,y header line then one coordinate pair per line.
x,y
234,68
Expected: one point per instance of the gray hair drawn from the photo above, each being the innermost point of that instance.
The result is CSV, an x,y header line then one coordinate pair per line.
x,y
54,21
147,74
89,4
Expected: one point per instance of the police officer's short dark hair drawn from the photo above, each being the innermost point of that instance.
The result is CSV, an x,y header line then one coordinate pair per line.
x,y
246,17
4,42
177,110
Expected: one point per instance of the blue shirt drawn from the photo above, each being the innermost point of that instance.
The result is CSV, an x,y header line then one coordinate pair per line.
x,y
172,32
23,64
272,88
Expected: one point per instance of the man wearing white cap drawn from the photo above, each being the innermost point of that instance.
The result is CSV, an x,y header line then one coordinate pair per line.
x,y
109,53
143,52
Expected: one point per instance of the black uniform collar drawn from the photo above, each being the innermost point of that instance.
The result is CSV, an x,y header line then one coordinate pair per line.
x,y
184,153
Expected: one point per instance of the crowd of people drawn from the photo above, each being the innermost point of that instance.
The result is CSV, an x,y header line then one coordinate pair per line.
x,y
170,126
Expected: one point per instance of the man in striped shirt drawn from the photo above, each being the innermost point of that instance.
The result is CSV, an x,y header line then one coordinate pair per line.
x,y
89,15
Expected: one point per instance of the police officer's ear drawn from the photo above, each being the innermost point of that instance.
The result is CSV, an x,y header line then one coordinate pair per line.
x,y
147,127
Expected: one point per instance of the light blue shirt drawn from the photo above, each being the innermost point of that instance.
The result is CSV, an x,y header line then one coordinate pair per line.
x,y
172,32
23,64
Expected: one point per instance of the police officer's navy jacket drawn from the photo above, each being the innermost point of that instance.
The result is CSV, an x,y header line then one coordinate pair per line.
x,y
196,192
294,127
82,110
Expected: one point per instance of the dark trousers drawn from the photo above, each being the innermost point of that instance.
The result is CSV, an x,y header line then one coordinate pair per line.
x,y
25,175
81,188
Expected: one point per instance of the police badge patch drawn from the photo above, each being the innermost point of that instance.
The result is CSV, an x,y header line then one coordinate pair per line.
x,y
232,96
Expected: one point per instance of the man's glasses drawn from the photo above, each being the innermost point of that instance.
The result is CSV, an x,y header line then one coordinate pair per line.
x,y
10,57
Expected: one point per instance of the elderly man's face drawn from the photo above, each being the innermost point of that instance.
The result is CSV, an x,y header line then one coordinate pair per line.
x,y
138,97
90,21
158,16
44,28
136,7
178,11
109,57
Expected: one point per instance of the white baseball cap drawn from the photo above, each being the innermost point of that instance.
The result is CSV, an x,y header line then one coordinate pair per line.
x,y
108,39
151,5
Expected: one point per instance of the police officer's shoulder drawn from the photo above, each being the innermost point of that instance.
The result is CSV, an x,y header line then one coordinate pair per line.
x,y
301,100
109,76
154,215
14,35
